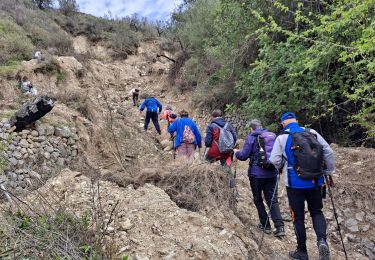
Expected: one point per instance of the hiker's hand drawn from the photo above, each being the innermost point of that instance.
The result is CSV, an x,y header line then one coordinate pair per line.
x,y
235,150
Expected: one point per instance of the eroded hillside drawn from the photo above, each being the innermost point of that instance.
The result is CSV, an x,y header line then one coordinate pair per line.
x,y
124,182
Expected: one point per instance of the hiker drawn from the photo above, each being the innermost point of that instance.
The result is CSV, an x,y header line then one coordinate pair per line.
x,y
168,115
221,151
38,56
154,108
301,153
262,175
188,136
135,96
27,87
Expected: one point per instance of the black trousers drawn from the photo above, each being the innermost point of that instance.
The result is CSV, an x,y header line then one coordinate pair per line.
x,y
267,187
155,120
297,198
135,99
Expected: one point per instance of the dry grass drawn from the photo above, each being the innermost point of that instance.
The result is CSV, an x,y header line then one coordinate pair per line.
x,y
196,187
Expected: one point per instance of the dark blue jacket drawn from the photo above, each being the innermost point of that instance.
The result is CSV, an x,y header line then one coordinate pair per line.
x,y
250,151
178,126
152,105
209,131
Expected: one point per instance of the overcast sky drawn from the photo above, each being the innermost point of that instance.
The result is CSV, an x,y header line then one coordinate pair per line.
x,y
152,9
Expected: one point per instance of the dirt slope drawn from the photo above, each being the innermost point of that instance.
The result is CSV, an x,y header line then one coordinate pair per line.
x,y
114,149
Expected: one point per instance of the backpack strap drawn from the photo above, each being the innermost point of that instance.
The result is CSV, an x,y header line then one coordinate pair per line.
x,y
218,125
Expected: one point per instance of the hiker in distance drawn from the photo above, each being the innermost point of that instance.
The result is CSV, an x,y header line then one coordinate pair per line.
x,y
263,176
154,108
220,139
169,115
188,136
26,87
305,158
134,93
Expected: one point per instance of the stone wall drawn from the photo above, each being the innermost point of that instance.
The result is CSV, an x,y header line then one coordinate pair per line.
x,y
34,154
237,119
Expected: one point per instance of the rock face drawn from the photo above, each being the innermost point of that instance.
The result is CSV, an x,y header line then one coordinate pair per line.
x,y
30,154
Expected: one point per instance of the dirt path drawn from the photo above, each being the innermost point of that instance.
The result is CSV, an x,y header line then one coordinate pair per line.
x,y
116,146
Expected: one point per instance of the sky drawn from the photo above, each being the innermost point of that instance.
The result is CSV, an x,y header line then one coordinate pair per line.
x,y
152,9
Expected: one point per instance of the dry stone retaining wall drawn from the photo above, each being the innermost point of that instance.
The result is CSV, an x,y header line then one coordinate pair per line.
x,y
34,154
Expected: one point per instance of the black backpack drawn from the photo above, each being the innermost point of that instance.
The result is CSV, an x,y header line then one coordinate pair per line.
x,y
308,155
264,142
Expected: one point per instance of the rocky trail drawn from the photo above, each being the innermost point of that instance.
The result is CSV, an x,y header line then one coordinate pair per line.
x,y
91,156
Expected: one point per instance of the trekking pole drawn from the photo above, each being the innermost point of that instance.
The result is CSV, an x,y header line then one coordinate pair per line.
x,y
329,183
269,212
203,155
174,150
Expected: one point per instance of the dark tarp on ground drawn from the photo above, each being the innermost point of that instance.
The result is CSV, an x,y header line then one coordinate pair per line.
x,y
31,111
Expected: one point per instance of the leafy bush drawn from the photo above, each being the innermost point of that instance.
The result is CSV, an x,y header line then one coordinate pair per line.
x,y
14,45
68,7
316,59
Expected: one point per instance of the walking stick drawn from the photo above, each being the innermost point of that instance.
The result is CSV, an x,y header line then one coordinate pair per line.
x,y
269,212
203,155
174,149
329,182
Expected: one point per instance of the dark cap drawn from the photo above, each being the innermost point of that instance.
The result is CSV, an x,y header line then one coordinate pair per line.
x,y
288,115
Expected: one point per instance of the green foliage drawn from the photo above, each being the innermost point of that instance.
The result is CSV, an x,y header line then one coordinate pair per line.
x,y
14,45
316,59
57,235
68,7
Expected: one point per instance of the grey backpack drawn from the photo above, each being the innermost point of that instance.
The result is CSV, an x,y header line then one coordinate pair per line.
x,y
226,140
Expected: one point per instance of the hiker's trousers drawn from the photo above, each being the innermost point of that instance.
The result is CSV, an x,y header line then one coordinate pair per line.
x,y
135,99
266,186
155,120
186,150
297,198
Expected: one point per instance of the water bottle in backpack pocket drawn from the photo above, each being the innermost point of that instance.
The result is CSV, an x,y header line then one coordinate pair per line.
x,y
265,143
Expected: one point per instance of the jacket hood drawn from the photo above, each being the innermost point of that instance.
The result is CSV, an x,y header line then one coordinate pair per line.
x,y
258,131
220,121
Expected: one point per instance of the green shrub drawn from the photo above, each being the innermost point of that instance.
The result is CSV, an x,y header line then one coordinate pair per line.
x,y
14,45
68,7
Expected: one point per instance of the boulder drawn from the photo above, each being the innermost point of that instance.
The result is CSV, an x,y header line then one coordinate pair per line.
x,y
360,215
17,155
352,225
45,129
63,132
24,143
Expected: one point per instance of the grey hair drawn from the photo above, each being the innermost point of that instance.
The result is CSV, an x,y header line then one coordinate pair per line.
x,y
255,124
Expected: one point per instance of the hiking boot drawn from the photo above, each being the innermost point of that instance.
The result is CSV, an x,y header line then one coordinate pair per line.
x,y
266,230
323,250
279,232
298,255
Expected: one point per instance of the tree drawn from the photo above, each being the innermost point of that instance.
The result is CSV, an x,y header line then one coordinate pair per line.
x,y
43,4
68,6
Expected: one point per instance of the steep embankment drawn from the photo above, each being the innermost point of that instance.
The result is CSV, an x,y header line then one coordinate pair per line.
x,y
116,156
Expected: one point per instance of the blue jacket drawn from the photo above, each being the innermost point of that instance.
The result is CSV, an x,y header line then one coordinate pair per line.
x,y
282,148
209,131
178,126
250,151
152,105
